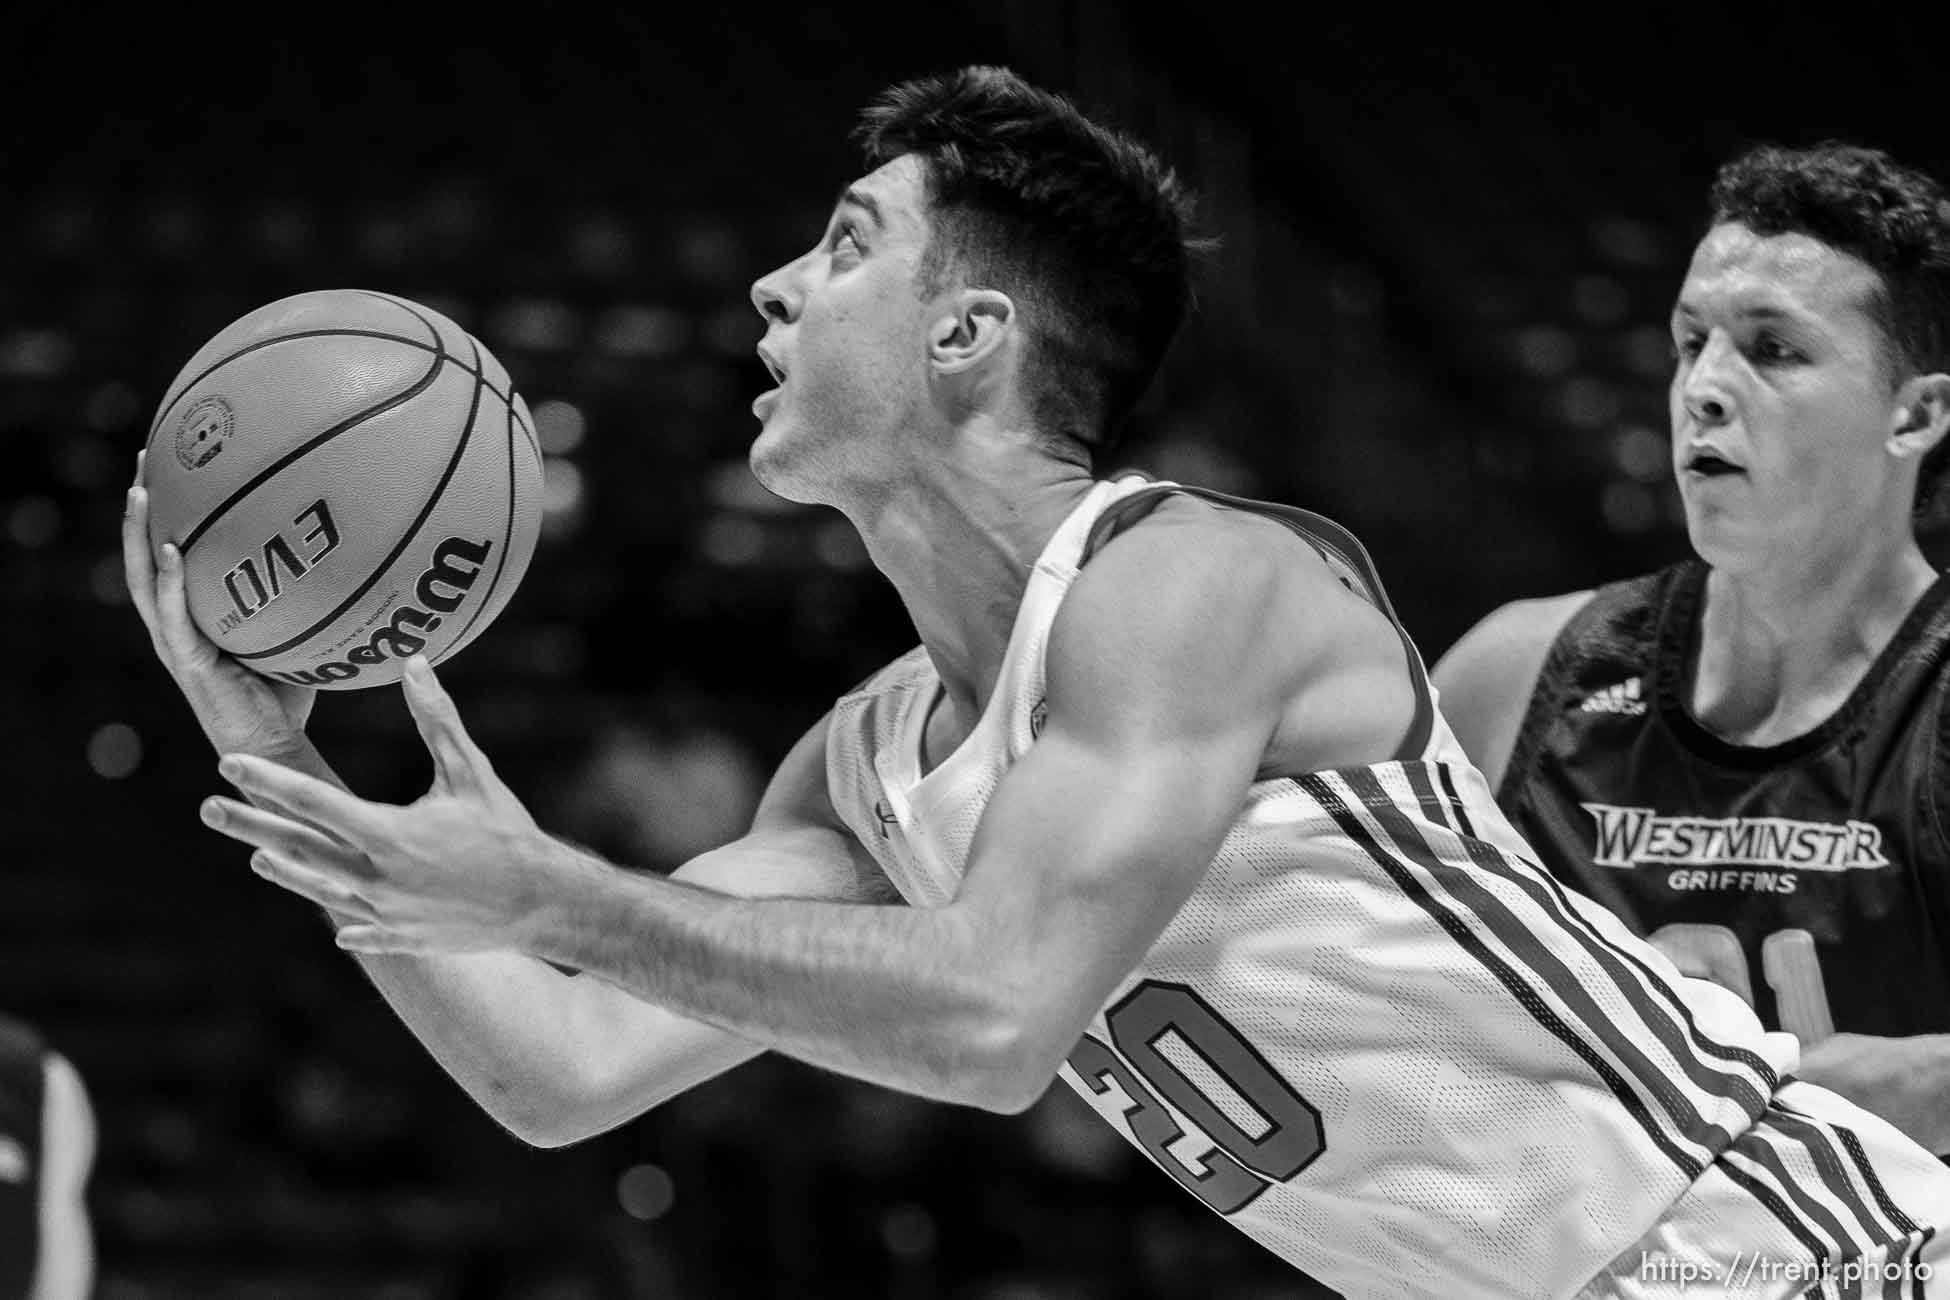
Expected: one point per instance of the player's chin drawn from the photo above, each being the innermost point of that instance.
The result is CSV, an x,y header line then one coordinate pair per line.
x,y
1724,540
778,467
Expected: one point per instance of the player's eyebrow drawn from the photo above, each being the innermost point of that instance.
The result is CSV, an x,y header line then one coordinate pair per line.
x,y
1759,312
856,197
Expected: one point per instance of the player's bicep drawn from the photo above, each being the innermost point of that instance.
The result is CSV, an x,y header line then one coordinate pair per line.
x,y
1090,848
1160,711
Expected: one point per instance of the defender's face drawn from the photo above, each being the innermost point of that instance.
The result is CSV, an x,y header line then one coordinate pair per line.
x,y
845,340
1781,397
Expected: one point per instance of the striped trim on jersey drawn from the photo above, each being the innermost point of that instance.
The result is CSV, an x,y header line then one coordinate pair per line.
x,y
1845,1199
1749,1086
1549,894
1532,975
1822,1205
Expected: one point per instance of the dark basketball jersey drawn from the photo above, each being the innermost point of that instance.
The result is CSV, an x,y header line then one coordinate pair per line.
x,y
1812,876
23,1061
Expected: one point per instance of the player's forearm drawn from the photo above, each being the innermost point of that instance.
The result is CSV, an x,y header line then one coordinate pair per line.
x,y
1904,1080
553,1058
914,999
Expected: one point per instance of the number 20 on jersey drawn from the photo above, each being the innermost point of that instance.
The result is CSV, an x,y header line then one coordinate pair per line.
x,y
1172,1046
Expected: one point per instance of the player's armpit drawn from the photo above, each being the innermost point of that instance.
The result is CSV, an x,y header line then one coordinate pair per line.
x,y
833,864
1486,678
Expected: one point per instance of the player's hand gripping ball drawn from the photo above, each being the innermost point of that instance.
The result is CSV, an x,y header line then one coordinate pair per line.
x,y
352,480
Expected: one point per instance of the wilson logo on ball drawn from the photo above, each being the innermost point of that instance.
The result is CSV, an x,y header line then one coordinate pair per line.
x,y
441,589
256,581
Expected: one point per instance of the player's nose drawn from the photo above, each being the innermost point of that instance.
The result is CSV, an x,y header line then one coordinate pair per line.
x,y
776,295
1706,408
1706,389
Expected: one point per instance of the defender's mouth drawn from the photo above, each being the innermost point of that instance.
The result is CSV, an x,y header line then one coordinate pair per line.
x,y
1708,463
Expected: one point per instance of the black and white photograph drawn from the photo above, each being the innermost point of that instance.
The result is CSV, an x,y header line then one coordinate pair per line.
x,y
1046,650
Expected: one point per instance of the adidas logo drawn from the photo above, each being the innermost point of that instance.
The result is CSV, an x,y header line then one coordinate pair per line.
x,y
1622,698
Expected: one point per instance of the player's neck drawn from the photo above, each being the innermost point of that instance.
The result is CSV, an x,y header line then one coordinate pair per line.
x,y
958,537
1781,647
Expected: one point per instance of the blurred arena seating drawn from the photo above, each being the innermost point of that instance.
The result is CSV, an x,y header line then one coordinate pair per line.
x,y
1438,315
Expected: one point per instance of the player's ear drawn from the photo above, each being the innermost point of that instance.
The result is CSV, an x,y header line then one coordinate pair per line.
x,y
972,332
1921,416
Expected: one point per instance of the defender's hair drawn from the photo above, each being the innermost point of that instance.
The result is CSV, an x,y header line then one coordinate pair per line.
x,y
1863,203
1084,228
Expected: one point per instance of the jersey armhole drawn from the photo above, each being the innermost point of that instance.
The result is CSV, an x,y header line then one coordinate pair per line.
x,y
1546,697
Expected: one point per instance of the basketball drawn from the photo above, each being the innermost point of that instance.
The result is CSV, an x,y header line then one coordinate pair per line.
x,y
352,480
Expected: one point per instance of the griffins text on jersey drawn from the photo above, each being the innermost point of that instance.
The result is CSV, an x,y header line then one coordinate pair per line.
x,y
1709,852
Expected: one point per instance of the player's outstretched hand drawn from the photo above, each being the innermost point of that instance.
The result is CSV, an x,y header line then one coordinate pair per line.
x,y
460,870
240,711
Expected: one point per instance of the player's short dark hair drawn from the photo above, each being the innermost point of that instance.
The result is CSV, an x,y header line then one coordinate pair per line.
x,y
1082,226
1863,203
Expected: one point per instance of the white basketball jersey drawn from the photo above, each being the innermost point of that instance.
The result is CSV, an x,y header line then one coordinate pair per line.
x,y
1381,1042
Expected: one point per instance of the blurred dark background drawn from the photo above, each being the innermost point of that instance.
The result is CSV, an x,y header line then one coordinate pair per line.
x,y
1449,248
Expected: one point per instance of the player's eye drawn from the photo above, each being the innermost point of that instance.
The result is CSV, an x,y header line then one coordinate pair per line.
x,y
1770,348
1687,346
845,235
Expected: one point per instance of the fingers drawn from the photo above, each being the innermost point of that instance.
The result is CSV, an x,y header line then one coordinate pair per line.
x,y
326,806
281,833
458,759
375,941
138,564
179,634
155,584
329,892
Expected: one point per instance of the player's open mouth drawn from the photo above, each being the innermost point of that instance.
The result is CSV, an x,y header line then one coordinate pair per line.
x,y
1706,463
772,364
765,400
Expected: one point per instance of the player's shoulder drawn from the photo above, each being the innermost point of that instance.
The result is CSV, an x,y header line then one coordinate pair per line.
x,y
1515,639
1197,590
1202,552
1525,626
1497,661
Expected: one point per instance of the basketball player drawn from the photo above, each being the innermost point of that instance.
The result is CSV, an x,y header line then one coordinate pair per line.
x,y
1744,755
1163,787
47,1146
